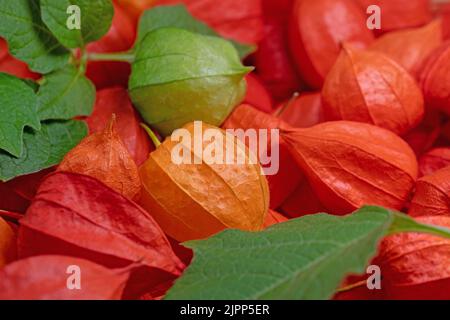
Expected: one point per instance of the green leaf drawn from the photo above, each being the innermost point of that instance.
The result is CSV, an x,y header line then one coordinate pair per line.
x,y
65,94
43,149
18,104
179,76
178,16
28,38
95,20
304,258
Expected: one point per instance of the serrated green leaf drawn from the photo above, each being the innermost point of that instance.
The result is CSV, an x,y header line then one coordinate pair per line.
x,y
179,76
43,149
18,105
304,258
28,38
95,20
177,16
65,94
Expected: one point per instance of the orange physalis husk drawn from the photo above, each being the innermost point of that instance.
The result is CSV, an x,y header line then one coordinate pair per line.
x,y
79,216
435,79
434,160
317,29
273,218
432,196
202,194
303,111
7,243
47,277
351,164
289,175
416,265
104,156
400,14
411,47
367,86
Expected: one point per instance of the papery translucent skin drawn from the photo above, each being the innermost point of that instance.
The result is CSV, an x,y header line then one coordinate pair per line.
x,y
435,79
367,86
410,47
116,101
316,32
120,37
432,195
194,201
46,278
234,19
257,94
7,243
103,155
350,164
79,216
416,266
400,14
284,182
302,112
434,160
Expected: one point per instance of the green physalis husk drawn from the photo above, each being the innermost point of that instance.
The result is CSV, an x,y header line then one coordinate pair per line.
x,y
179,77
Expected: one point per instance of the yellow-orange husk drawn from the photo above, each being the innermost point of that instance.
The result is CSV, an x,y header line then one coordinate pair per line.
x,y
194,201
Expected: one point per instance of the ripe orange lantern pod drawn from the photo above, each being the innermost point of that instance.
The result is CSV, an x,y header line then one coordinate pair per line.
x,y
193,197
45,277
432,196
435,79
346,171
411,47
315,40
416,266
79,216
369,87
434,160
103,155
284,181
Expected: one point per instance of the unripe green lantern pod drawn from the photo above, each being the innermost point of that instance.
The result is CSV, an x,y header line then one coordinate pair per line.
x,y
179,77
